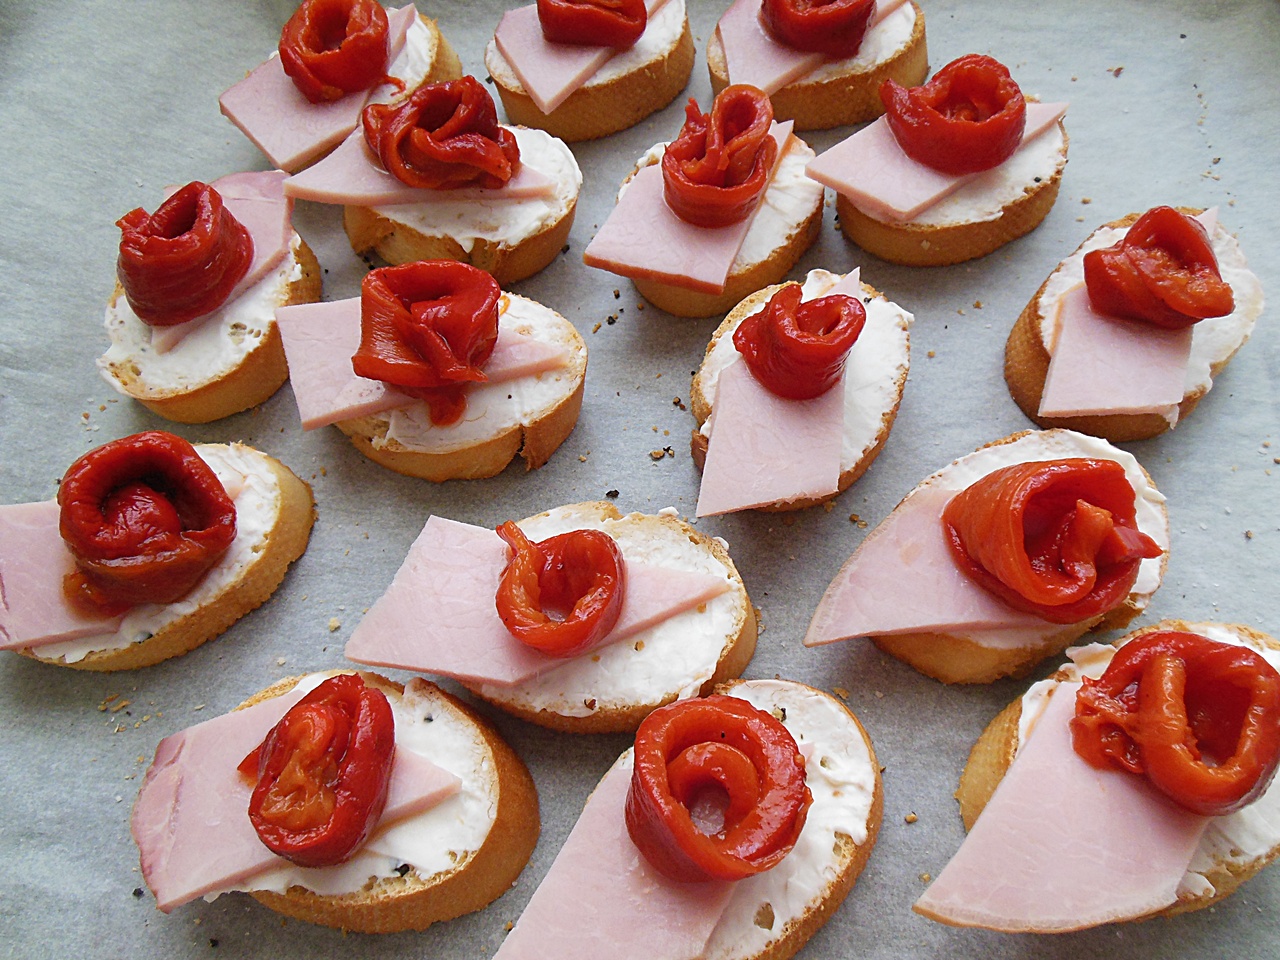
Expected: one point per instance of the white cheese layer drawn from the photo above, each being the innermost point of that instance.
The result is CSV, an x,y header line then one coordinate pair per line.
x,y
880,44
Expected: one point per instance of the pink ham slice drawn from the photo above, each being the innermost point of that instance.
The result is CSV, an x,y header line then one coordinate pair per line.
x,y
438,616
643,239
191,819
764,448
1062,846
320,339
872,171
602,899
752,56
549,72
291,130
257,200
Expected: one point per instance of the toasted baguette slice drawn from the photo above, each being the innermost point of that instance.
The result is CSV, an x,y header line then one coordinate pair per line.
x,y
274,513
510,239
234,361
636,83
617,686
887,345
1214,341
531,416
1219,860
842,92
496,790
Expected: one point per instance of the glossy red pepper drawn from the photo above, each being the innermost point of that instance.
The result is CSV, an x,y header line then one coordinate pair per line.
x,y
442,136
1058,538
330,48
798,349
1164,271
427,329
716,746
561,595
714,172
182,261
1200,719
833,27
145,519
321,775
599,23
968,118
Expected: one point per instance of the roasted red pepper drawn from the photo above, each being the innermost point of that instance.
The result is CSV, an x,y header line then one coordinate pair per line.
x,y
1164,271
330,48
1057,538
145,519
600,23
968,118
1200,719
442,136
427,329
714,172
798,350
716,746
833,27
322,773
561,595
182,261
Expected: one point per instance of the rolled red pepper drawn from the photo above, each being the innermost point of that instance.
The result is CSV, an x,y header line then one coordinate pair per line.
x,y
321,775
1200,719
716,745
427,329
968,118
145,519
598,23
330,48
714,172
442,136
1057,538
798,349
561,595
1163,271
833,27
182,261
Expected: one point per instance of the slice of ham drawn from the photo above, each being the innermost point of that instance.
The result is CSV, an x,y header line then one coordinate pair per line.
x,y
872,171
352,175
191,819
1063,846
320,339
257,200
438,616
291,130
764,448
753,56
643,239
549,72
602,899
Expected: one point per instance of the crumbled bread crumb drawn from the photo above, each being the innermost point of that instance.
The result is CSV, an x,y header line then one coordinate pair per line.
x,y
840,692
596,328
334,624
910,818
926,878
930,354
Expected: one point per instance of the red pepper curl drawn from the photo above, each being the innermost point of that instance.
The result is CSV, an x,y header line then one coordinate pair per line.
x,y
322,773
443,136
719,744
714,172
832,27
427,329
182,261
798,349
1057,538
145,519
1200,719
563,595
968,118
330,48
598,23
1163,271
